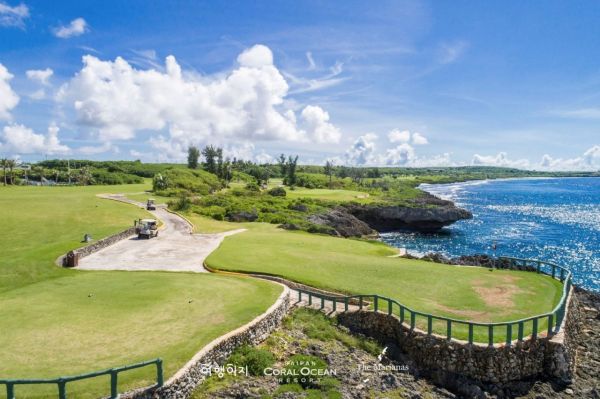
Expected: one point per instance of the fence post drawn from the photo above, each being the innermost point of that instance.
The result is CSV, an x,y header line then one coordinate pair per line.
x,y
401,314
412,320
322,302
470,333
345,304
553,271
520,332
539,266
491,335
535,328
449,329
562,274
550,324
360,302
299,296
389,307
508,334
62,389
10,390
376,300
114,384
334,304
309,299
429,324
159,373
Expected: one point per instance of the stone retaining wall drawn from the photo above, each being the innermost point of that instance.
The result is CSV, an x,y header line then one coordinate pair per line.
x,y
544,357
98,245
183,383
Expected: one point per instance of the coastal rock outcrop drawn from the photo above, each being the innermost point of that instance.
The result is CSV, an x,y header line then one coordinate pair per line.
x,y
428,214
344,224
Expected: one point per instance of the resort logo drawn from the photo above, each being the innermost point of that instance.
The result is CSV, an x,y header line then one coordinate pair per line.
x,y
380,366
208,370
303,372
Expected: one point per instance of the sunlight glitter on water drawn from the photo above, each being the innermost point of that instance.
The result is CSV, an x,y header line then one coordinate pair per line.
x,y
550,219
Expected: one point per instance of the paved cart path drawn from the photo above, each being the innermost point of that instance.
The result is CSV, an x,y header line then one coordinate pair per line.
x,y
175,249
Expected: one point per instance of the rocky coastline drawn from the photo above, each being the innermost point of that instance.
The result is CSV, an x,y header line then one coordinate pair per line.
x,y
425,214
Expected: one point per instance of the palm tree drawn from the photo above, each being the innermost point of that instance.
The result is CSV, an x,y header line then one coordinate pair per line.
x,y
39,170
4,162
11,163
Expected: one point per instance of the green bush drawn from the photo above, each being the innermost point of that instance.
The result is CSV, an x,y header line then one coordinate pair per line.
x,y
257,360
192,181
277,192
253,186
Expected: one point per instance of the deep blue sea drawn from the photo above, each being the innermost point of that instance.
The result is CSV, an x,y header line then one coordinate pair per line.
x,y
555,220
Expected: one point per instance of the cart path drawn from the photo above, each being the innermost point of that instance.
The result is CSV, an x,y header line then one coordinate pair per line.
x,y
175,248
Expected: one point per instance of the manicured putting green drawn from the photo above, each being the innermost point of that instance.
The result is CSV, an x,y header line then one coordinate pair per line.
x,y
359,267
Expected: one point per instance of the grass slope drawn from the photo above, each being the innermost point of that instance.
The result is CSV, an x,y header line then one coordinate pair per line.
x,y
359,267
64,322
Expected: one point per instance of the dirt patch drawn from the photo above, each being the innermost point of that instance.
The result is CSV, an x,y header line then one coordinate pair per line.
x,y
501,294
500,297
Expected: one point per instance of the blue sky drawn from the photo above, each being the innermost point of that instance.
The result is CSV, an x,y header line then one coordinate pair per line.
x,y
375,83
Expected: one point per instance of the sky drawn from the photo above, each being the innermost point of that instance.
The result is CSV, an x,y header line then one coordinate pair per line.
x,y
388,83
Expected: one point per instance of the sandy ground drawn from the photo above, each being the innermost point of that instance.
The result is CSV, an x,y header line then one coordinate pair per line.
x,y
175,248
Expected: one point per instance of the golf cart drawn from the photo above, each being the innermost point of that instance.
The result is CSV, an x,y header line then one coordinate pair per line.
x,y
150,206
146,228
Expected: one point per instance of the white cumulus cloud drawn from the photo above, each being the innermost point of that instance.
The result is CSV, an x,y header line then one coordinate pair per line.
x,y
8,98
13,15
76,27
402,155
399,136
362,151
500,159
22,140
419,139
590,160
116,101
41,76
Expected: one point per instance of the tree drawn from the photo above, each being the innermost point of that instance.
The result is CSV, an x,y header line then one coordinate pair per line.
x,y
39,170
11,165
329,171
210,154
290,167
282,165
85,176
193,155
4,162
220,163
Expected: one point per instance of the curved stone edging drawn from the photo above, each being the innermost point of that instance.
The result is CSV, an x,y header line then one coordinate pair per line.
x,y
182,384
289,283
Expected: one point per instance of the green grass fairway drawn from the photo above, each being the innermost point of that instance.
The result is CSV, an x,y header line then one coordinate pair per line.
x,y
331,195
64,322
358,267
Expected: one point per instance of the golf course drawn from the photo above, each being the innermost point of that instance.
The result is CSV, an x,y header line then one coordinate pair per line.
x,y
64,322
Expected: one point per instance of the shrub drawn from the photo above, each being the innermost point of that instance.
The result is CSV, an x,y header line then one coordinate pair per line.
x,y
253,186
257,360
183,203
277,192
193,181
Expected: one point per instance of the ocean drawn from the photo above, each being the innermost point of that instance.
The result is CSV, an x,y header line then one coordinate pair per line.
x,y
555,220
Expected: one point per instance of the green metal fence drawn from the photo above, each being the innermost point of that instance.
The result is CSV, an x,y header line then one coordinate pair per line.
x,y
506,331
61,382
